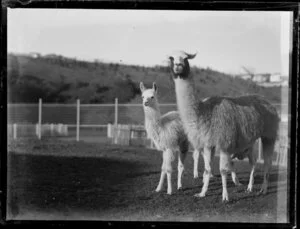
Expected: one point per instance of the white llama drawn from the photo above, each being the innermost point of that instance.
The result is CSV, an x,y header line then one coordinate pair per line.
x,y
228,125
168,135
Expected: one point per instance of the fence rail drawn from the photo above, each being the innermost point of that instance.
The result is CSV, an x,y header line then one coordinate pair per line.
x,y
94,122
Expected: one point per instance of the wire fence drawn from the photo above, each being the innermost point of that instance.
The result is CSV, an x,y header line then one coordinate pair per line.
x,y
103,123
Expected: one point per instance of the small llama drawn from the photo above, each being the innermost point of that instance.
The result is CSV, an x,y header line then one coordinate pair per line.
x,y
167,133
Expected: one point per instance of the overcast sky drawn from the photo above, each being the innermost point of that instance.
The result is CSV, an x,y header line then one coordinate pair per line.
x,y
224,40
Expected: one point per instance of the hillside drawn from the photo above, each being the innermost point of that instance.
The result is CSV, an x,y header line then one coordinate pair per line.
x,y
59,79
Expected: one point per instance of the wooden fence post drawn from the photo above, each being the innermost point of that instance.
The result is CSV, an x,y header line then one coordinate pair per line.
x,y
115,133
40,119
109,135
52,129
15,131
116,111
78,120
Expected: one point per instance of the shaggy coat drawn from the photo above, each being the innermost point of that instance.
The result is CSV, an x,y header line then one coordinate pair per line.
x,y
168,135
225,124
243,119
167,132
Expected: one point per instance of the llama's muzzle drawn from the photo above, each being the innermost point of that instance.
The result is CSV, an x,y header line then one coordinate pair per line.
x,y
178,69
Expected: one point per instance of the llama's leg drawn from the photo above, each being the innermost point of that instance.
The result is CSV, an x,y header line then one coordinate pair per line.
x,y
169,158
268,149
207,171
212,156
196,162
225,167
252,162
181,158
234,176
162,175
161,181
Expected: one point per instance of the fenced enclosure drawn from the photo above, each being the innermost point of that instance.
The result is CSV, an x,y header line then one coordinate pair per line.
x,y
105,123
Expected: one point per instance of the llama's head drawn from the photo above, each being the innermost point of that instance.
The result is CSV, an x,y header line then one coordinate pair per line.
x,y
179,64
149,96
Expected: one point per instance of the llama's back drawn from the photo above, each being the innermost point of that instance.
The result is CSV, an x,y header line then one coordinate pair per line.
x,y
261,108
236,122
172,130
169,117
171,120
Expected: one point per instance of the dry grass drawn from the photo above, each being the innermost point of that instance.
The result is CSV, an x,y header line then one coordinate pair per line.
x,y
84,181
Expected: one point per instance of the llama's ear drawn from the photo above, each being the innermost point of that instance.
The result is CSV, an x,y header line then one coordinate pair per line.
x,y
191,56
154,87
142,87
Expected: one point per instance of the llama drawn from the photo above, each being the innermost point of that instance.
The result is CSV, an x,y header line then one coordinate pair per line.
x,y
168,135
228,125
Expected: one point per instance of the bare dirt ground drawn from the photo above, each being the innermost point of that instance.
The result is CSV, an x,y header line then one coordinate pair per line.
x,y
58,180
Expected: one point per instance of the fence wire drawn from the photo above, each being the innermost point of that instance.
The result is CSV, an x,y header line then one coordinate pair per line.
x,y
91,114
94,119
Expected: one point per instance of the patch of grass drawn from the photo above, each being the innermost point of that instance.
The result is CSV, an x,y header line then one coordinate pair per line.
x,y
69,180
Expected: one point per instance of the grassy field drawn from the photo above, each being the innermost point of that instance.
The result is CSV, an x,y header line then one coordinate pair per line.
x,y
59,180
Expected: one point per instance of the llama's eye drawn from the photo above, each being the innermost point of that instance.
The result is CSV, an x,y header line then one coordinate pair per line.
x,y
152,97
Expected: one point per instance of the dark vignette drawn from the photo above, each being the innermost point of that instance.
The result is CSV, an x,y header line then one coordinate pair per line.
x,y
170,5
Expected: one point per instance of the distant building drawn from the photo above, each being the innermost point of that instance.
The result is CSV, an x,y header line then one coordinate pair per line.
x,y
285,83
261,78
51,56
276,77
245,77
284,80
34,55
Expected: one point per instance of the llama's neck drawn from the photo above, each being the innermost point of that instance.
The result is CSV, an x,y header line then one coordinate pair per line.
x,y
188,103
152,118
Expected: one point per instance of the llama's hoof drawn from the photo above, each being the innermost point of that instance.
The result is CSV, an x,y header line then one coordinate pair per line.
x,y
169,193
196,175
263,191
199,195
225,200
157,190
249,190
180,189
225,197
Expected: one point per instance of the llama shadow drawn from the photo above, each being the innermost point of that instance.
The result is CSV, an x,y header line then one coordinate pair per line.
x,y
215,185
134,175
256,192
279,175
64,184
